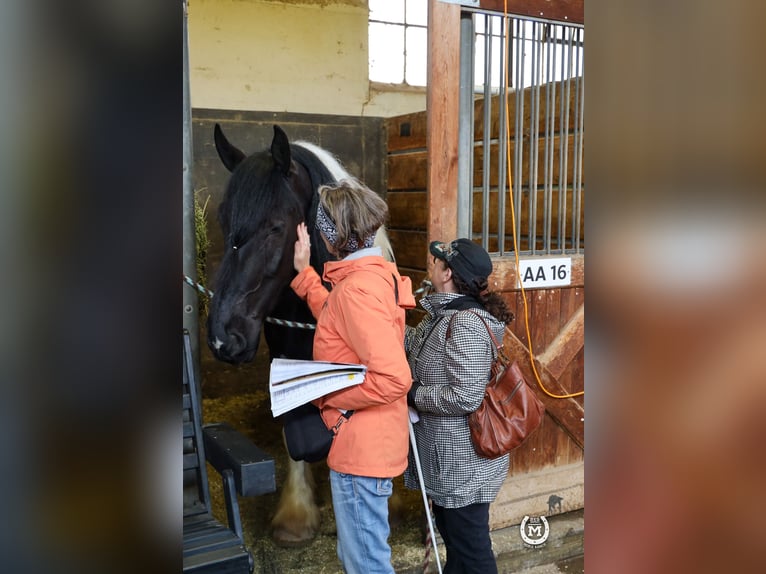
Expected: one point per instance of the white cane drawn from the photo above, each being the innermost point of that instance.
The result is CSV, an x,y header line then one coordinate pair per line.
x,y
423,492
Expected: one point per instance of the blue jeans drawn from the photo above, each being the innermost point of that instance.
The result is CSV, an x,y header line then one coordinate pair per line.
x,y
361,517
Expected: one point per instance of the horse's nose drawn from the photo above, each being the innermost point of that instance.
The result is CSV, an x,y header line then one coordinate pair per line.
x,y
228,348
237,343
231,345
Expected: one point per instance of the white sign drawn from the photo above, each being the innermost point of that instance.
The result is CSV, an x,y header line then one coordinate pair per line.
x,y
534,530
541,272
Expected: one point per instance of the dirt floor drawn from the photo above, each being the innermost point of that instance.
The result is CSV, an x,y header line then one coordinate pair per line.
x,y
238,395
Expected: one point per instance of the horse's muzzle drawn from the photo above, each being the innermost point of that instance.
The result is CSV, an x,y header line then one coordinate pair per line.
x,y
233,345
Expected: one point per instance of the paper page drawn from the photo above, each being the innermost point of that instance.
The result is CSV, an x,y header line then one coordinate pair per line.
x,y
294,382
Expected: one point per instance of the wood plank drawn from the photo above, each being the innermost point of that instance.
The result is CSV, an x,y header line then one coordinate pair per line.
x,y
568,413
537,306
564,11
406,132
523,220
552,313
577,369
566,449
442,103
517,326
407,210
545,453
567,90
554,148
408,171
410,248
567,308
563,349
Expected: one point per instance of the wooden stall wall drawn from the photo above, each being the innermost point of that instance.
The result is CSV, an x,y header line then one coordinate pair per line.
x,y
406,196
550,463
359,143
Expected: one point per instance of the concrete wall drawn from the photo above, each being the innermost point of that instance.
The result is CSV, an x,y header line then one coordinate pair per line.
x,y
298,56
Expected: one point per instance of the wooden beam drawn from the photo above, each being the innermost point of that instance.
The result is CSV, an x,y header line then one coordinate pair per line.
x,y
564,11
568,413
566,345
442,104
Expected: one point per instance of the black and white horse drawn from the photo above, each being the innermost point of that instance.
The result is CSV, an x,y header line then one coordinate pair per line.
x,y
268,194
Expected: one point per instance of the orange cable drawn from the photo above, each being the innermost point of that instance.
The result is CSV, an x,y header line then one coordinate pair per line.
x,y
513,215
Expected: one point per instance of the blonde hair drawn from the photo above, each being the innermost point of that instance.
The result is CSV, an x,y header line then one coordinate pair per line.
x,y
356,210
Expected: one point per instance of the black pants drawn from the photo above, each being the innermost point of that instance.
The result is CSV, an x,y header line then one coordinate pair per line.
x,y
465,532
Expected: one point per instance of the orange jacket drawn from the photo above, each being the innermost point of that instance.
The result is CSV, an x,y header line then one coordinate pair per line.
x,y
359,321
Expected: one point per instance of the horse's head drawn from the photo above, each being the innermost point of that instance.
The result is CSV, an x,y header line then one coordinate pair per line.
x,y
268,194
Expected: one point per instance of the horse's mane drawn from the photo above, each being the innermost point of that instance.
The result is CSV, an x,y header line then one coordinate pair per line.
x,y
250,198
319,174
330,164
252,195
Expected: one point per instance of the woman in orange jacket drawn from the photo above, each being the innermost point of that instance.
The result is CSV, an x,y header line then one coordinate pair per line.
x,y
361,320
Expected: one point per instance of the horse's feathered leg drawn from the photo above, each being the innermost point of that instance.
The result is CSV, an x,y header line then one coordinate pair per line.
x,y
296,521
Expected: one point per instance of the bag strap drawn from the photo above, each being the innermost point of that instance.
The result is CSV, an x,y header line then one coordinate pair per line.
x,y
341,419
498,346
396,289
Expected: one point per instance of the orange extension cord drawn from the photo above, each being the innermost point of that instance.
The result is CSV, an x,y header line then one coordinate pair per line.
x,y
513,216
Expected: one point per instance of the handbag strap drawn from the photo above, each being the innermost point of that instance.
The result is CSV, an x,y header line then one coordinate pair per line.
x,y
341,419
498,346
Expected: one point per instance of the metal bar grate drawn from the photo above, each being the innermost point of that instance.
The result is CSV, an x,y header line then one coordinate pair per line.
x,y
546,82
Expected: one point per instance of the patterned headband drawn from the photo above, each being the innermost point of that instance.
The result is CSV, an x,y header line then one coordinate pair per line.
x,y
326,225
330,231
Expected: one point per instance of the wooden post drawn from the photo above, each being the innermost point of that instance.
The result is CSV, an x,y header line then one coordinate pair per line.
x,y
564,11
442,99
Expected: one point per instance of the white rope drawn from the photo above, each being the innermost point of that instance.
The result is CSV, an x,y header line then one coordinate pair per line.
x,y
284,322
201,288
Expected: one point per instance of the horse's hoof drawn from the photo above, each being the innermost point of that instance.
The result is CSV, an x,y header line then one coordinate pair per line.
x,y
286,539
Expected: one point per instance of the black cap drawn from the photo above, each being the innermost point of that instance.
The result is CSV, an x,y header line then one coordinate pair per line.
x,y
464,257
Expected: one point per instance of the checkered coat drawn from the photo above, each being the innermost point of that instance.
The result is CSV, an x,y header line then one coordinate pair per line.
x,y
453,373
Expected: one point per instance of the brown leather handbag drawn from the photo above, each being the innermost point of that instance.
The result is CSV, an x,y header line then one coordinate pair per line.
x,y
510,410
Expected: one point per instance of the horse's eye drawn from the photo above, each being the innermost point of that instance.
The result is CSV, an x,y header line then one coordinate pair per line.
x,y
276,230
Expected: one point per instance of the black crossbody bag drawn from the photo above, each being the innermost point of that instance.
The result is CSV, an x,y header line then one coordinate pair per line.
x,y
306,435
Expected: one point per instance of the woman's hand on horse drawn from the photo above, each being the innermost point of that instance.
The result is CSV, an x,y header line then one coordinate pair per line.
x,y
302,248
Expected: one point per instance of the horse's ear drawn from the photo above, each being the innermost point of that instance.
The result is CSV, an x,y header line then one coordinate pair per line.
x,y
280,150
230,156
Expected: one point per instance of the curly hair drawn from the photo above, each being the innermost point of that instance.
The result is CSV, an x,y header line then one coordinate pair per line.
x,y
491,301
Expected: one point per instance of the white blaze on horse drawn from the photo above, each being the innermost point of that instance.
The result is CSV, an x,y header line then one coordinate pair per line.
x,y
269,193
